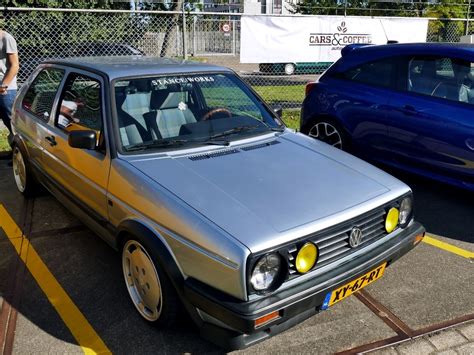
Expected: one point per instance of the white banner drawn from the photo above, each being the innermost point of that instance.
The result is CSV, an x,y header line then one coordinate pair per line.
x,y
266,39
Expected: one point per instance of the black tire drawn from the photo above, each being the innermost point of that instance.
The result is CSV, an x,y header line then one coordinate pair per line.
x,y
24,179
328,130
169,308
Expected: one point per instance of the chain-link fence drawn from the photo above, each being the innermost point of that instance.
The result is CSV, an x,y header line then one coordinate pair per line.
x,y
214,38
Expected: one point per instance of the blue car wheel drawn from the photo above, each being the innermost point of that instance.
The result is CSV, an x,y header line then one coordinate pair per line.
x,y
329,131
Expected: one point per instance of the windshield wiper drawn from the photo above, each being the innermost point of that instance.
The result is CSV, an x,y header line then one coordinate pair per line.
x,y
232,131
216,142
155,144
277,129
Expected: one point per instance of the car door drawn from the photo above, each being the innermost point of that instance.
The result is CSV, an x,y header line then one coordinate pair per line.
x,y
432,120
80,174
360,101
33,113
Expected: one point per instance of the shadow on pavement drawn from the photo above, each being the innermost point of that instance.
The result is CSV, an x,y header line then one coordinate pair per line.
x,y
443,209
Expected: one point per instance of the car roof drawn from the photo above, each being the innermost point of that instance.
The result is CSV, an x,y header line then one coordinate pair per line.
x,y
401,48
128,66
363,53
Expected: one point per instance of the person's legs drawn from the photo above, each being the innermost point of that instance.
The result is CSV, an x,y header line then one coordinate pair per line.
x,y
6,105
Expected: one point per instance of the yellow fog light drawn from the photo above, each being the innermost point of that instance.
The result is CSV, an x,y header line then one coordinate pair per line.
x,y
306,257
391,221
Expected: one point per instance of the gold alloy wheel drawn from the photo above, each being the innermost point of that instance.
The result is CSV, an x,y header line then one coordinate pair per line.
x,y
19,169
142,280
327,133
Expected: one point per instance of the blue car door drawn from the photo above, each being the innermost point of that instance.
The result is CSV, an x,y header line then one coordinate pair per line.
x,y
431,122
360,101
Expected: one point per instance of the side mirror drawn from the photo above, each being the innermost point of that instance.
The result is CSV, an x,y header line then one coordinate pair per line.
x,y
278,110
83,139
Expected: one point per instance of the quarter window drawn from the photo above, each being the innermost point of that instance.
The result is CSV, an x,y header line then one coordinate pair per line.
x,y
377,73
80,106
40,95
447,78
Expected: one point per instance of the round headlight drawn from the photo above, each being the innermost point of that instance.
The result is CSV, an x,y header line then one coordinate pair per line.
x,y
265,272
306,258
391,221
406,209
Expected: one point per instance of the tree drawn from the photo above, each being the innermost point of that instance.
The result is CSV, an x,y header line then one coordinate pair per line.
x,y
65,4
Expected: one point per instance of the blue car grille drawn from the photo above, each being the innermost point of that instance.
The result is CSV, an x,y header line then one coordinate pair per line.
x,y
333,244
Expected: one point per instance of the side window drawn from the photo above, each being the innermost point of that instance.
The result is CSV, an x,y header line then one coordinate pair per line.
x,y
40,95
377,73
447,78
80,107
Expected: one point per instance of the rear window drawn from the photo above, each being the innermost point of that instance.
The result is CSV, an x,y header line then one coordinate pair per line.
x,y
377,73
40,95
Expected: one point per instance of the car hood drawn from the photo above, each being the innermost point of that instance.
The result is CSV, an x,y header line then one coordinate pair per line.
x,y
259,192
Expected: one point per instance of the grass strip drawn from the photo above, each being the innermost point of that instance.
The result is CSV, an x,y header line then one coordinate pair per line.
x,y
275,94
4,146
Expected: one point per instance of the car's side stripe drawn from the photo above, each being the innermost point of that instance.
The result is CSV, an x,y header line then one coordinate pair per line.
x,y
80,328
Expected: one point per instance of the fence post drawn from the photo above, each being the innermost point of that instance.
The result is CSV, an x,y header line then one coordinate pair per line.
x,y
194,35
233,37
185,51
468,15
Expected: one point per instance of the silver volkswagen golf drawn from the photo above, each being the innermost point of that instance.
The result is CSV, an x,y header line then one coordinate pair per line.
x,y
216,208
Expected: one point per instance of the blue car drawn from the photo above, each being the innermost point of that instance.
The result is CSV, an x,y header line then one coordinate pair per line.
x,y
410,106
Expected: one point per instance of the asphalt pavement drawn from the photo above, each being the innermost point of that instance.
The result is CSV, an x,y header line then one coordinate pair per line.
x,y
55,274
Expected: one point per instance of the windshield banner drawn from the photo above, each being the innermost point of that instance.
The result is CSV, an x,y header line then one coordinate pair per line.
x,y
267,39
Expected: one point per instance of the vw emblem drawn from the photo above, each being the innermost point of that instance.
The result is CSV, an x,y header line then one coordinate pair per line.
x,y
355,238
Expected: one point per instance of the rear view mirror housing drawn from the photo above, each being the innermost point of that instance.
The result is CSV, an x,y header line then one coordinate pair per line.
x,y
83,139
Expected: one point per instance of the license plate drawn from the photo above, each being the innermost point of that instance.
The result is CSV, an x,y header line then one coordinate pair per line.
x,y
353,286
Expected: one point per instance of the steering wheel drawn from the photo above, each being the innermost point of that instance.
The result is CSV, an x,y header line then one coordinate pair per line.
x,y
216,110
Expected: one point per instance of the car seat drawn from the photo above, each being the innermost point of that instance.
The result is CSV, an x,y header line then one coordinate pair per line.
x,y
426,82
168,113
137,100
131,131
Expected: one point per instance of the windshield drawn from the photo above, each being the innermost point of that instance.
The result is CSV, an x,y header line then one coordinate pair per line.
x,y
186,110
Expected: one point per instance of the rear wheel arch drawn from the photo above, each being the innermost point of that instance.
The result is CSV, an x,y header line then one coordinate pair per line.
x,y
17,141
345,134
24,176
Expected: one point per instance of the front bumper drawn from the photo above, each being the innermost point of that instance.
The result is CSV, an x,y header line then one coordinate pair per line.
x,y
295,304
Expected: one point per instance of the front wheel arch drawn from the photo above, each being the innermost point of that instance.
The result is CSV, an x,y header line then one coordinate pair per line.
x,y
134,229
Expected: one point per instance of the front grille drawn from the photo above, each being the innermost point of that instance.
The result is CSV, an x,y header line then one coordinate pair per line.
x,y
333,244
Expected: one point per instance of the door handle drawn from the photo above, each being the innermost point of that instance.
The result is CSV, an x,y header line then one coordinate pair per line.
x,y
51,140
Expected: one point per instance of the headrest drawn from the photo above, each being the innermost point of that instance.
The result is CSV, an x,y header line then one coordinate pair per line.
x,y
429,68
142,85
157,98
120,96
